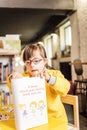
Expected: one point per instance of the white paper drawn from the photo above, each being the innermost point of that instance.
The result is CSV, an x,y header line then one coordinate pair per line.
x,y
30,104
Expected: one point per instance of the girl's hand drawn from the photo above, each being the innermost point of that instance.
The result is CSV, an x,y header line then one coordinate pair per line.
x,y
44,73
16,75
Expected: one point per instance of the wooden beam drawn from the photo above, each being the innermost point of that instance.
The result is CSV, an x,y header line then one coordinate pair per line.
x,y
38,4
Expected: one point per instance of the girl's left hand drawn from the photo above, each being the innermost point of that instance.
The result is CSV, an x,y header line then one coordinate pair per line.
x,y
45,74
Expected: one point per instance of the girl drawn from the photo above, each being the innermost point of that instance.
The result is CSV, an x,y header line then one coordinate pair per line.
x,y
35,59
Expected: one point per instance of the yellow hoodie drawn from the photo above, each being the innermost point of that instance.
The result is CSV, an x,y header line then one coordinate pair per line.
x,y
54,93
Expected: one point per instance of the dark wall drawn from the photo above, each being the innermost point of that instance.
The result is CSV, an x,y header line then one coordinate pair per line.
x,y
66,69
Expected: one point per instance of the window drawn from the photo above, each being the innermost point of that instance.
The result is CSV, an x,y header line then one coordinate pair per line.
x,y
65,39
49,49
67,31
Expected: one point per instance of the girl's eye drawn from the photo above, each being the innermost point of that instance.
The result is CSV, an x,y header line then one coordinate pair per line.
x,y
37,61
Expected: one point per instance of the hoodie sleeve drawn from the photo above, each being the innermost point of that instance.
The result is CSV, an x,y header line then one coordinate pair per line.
x,y
61,85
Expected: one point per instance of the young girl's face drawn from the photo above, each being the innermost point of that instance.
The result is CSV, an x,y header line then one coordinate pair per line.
x,y
36,63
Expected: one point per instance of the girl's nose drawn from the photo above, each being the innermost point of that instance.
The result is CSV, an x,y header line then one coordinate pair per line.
x,y
32,64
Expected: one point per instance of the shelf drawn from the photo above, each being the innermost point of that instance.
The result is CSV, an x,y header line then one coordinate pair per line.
x,y
4,52
6,64
65,59
2,82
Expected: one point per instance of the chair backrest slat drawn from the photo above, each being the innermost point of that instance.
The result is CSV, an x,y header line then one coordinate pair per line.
x,y
72,100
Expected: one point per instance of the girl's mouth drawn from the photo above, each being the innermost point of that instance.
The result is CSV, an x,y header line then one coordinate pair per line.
x,y
35,72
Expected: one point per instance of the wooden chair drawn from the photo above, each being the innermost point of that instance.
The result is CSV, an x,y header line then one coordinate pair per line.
x,y
81,86
71,106
80,81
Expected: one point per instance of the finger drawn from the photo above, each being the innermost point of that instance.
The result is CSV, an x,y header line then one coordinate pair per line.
x,y
36,74
16,75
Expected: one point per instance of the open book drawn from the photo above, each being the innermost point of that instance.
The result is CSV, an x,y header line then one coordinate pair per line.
x,y
30,105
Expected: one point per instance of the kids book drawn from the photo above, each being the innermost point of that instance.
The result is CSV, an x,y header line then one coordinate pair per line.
x,y
30,106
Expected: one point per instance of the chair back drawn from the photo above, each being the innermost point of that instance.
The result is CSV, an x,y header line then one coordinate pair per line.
x,y
72,109
78,67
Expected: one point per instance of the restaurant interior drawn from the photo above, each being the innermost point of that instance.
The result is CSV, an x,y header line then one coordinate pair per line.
x,y
60,26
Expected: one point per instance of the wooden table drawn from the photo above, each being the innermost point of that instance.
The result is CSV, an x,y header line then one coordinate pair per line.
x,y
53,124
